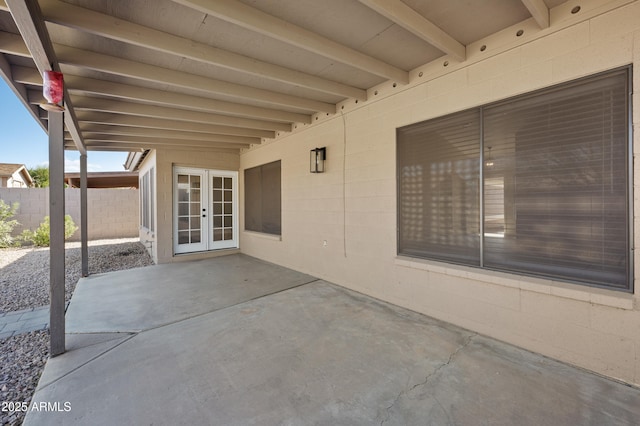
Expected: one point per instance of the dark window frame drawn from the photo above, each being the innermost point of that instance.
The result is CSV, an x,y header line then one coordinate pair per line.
x,y
623,112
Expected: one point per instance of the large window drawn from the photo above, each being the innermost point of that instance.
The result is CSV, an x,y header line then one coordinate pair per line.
x,y
537,184
262,199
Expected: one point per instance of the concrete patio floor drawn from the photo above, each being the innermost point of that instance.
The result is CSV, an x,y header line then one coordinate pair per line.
x,y
237,341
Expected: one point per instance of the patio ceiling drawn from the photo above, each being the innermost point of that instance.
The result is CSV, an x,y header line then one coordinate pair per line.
x,y
143,74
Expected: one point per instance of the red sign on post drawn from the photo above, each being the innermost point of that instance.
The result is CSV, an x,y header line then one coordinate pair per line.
x,y
53,88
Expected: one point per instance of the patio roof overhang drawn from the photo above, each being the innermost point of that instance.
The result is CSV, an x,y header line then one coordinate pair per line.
x,y
144,74
231,74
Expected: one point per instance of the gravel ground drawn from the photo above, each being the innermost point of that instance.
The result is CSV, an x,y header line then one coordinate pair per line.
x,y
24,283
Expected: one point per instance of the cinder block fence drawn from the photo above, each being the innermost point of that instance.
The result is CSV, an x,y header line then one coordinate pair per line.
x,y
112,213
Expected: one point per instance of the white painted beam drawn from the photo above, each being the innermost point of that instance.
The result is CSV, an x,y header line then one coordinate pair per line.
x,y
90,86
539,10
143,142
87,119
117,107
274,27
28,18
26,75
13,45
95,130
409,19
6,73
126,68
117,29
106,146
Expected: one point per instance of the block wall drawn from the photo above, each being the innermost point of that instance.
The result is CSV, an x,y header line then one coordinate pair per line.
x,y
112,213
341,225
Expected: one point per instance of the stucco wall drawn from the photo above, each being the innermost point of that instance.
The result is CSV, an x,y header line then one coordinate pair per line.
x,y
341,225
112,213
164,160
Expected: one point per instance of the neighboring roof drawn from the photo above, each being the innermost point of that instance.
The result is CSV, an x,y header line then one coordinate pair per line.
x,y
231,74
104,179
8,169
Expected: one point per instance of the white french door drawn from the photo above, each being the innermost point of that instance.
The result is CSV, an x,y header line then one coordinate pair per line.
x,y
205,209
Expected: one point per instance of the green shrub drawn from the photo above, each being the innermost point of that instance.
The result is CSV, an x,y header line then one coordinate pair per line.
x,y
40,237
7,224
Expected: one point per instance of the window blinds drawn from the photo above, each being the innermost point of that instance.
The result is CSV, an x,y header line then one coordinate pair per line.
x,y
554,182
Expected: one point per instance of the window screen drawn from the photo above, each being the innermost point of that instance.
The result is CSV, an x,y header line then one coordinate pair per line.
x,y
439,188
554,174
262,196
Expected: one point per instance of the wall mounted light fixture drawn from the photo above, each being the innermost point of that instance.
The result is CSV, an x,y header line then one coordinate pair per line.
x,y
316,163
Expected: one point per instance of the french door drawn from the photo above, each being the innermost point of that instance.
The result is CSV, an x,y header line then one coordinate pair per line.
x,y
205,209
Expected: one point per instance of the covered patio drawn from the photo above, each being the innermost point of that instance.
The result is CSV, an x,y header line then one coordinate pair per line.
x,y
244,341
470,161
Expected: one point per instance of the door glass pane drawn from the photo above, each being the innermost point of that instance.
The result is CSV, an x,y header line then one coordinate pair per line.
x,y
183,194
195,181
217,221
228,183
217,195
183,209
228,196
228,208
183,223
183,237
195,236
195,195
217,235
228,234
183,179
228,221
195,222
195,209
217,208
217,182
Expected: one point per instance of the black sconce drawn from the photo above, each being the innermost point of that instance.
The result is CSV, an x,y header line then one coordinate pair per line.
x,y
316,163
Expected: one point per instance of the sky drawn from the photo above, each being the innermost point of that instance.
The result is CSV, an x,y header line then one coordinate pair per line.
x,y
23,141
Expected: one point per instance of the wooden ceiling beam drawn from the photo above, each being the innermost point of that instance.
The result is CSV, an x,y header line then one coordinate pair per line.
x,y
88,118
255,20
539,10
97,129
120,107
144,142
13,44
21,92
122,67
90,86
26,75
28,18
398,12
86,20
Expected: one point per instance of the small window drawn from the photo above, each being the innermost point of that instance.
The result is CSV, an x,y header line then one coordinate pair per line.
x,y
262,199
147,200
537,184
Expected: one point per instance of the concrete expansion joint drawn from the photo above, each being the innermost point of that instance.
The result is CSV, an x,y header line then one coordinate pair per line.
x,y
449,360
78,367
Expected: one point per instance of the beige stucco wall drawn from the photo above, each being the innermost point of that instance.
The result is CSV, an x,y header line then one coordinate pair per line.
x,y
341,225
111,213
160,244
